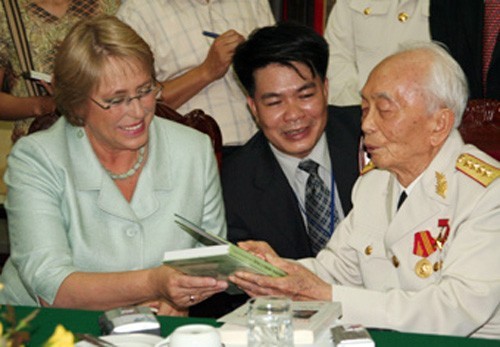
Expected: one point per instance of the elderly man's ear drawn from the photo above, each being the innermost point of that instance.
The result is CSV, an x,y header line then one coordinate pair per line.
x,y
444,120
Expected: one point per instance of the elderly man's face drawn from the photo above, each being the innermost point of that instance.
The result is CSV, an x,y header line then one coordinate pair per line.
x,y
396,124
291,109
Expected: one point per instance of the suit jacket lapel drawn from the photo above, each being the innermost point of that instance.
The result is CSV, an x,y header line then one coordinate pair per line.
x,y
277,195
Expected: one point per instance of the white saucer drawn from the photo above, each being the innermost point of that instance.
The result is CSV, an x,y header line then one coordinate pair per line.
x,y
128,340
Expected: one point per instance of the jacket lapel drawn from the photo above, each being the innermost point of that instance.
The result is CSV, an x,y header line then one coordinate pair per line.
x,y
427,199
277,196
90,176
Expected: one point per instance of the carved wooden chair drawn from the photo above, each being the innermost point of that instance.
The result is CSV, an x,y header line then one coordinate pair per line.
x,y
198,120
481,125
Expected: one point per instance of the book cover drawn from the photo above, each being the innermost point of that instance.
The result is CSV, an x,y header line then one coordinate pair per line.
x,y
219,260
198,233
310,320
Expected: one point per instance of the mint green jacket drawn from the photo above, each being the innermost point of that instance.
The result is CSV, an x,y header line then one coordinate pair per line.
x,y
65,214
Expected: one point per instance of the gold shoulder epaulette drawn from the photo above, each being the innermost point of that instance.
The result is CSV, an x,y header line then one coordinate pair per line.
x,y
478,170
368,167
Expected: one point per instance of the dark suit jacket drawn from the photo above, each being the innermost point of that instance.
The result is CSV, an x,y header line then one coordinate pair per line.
x,y
459,25
260,203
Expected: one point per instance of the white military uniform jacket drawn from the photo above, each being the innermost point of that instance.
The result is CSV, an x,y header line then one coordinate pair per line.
x,y
363,32
377,262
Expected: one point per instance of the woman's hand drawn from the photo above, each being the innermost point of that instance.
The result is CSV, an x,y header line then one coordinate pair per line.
x,y
300,284
181,290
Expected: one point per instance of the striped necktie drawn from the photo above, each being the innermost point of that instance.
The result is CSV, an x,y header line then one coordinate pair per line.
x,y
318,206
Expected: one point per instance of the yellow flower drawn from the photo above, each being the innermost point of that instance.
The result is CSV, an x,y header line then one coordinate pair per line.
x,y
61,338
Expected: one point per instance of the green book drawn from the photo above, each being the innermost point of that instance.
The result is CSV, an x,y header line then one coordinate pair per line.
x,y
218,260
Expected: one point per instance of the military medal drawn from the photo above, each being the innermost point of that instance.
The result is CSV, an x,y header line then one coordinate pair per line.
x,y
424,245
423,268
444,224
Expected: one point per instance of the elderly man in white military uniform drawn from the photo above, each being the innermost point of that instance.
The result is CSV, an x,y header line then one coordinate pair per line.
x,y
431,265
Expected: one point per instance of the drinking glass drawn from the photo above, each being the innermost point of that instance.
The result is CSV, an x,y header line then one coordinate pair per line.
x,y
270,322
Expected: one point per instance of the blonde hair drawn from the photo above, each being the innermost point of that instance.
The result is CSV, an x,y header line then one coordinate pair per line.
x,y
83,56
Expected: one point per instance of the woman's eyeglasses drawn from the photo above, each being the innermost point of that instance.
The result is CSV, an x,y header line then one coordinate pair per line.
x,y
117,102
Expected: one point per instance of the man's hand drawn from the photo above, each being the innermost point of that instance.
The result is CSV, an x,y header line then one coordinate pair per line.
x,y
220,55
178,90
258,248
300,284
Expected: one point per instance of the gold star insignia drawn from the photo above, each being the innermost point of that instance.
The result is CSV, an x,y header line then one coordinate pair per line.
x,y
477,169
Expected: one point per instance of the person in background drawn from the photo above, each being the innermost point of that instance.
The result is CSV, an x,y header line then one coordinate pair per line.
x,y
427,264
194,42
91,200
362,33
46,23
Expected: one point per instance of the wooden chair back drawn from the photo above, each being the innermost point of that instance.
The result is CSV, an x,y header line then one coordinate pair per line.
x,y
481,125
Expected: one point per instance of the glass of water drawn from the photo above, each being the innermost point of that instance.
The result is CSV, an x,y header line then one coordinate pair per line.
x,y
270,322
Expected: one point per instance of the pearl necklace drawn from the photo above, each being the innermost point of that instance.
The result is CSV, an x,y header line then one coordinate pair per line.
x,y
133,170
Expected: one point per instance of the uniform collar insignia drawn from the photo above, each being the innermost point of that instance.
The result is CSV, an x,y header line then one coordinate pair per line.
x,y
441,184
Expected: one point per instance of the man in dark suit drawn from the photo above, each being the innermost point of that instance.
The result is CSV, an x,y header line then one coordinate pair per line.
x,y
283,70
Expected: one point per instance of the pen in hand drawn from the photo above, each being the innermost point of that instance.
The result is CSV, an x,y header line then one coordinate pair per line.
x,y
210,34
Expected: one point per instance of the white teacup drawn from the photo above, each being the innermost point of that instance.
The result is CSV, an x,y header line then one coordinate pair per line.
x,y
195,335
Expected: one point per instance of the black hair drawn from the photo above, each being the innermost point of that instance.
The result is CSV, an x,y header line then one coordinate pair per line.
x,y
283,43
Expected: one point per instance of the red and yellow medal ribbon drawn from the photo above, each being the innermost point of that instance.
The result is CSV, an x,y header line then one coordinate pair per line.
x,y
424,244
